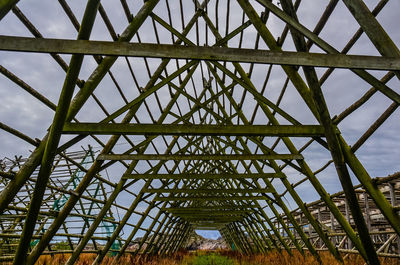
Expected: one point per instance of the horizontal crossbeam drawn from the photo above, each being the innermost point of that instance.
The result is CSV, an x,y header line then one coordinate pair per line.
x,y
210,208
207,225
210,191
203,176
211,222
213,218
181,129
199,157
213,198
64,46
217,213
211,214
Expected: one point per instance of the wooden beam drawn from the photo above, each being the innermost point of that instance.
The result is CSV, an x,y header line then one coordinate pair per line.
x,y
209,191
374,30
213,218
203,176
64,46
6,6
198,157
210,214
211,208
213,198
180,129
210,211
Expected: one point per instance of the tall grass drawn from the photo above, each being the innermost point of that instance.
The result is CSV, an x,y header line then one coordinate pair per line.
x,y
283,258
178,258
219,257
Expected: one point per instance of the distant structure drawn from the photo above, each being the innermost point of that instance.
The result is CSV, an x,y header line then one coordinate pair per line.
x,y
220,114
66,174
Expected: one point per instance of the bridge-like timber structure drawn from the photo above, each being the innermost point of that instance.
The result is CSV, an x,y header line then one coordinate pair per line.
x,y
163,117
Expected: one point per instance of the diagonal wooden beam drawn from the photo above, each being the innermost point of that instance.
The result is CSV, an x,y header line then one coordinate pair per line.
x,y
333,144
75,106
8,193
291,147
372,28
6,6
55,135
390,93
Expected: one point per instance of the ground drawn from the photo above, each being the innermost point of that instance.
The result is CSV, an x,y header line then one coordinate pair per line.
x,y
218,257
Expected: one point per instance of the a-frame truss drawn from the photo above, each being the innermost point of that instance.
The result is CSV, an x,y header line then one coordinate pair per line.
x,y
222,114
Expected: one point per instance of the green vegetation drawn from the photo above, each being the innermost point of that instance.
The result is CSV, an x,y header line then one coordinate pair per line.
x,y
212,259
62,246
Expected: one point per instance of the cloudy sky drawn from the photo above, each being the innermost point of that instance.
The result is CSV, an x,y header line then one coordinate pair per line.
x,y
19,110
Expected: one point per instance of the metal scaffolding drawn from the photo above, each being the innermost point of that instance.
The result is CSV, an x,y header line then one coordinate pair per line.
x,y
204,115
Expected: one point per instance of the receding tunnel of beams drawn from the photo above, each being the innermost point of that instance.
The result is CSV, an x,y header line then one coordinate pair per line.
x,y
209,146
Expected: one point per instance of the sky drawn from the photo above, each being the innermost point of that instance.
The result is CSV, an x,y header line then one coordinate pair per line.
x,y
213,234
380,154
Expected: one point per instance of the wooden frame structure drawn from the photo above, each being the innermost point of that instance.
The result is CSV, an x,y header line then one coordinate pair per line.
x,y
197,138
68,170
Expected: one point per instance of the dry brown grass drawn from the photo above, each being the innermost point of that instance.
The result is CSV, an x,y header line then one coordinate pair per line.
x,y
187,258
177,258
277,258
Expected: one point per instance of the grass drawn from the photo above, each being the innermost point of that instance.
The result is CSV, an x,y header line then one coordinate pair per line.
x,y
219,257
210,258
